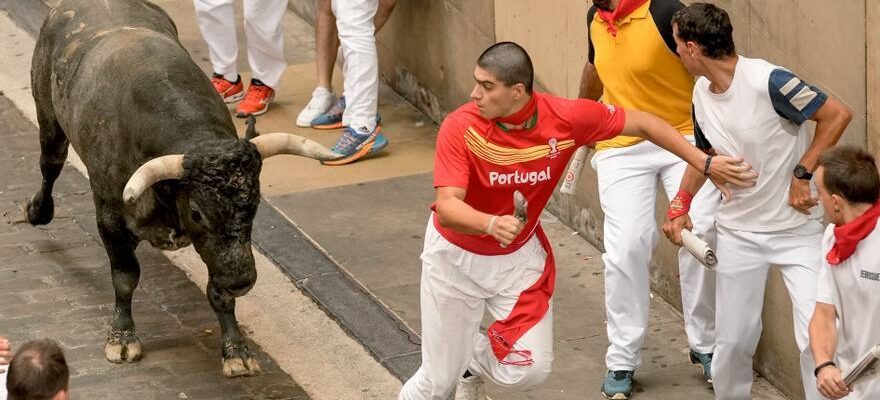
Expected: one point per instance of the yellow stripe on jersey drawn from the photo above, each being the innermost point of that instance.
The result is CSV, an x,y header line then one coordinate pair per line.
x,y
500,155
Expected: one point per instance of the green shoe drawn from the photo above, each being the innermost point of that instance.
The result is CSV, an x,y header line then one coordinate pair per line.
x,y
705,361
618,385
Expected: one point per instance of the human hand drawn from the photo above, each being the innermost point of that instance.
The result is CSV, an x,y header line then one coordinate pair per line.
x,y
5,353
725,170
800,197
505,228
830,382
672,228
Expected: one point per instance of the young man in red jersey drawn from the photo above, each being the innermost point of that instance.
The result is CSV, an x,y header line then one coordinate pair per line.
x,y
477,255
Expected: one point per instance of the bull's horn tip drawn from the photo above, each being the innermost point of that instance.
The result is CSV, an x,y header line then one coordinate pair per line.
x,y
128,196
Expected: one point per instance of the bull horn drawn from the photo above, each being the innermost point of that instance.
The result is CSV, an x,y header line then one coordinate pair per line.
x,y
155,170
272,144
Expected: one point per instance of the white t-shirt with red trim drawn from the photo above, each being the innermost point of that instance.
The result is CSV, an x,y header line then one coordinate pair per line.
x,y
490,163
853,288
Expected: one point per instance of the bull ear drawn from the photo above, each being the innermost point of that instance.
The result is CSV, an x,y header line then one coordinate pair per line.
x,y
272,144
251,131
158,169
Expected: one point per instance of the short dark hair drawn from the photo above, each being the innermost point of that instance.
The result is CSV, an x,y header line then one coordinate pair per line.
x,y
510,63
38,371
708,26
851,173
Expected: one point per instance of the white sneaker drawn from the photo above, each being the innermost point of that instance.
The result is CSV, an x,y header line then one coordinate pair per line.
x,y
470,388
322,100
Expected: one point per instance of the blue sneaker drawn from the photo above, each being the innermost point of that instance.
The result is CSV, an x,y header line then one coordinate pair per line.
x,y
705,361
331,119
356,146
618,385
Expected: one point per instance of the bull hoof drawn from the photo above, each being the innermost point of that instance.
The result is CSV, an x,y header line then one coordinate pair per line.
x,y
39,213
238,361
122,346
233,367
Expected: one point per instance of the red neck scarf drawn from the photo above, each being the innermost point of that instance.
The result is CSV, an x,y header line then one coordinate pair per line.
x,y
624,8
848,235
520,117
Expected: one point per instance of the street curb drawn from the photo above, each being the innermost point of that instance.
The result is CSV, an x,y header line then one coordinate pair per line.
x,y
308,266
369,322
27,14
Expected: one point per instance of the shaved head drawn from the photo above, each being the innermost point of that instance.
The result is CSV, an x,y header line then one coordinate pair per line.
x,y
509,63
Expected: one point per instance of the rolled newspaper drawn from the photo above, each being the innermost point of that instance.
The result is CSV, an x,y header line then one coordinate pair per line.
x,y
699,249
574,171
867,365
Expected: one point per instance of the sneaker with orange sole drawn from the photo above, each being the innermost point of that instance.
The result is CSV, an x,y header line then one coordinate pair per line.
x,y
229,91
256,101
355,146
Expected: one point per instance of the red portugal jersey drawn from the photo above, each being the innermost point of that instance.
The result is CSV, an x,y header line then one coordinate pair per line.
x,y
490,163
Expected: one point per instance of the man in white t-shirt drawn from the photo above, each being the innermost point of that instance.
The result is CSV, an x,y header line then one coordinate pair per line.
x,y
755,110
846,323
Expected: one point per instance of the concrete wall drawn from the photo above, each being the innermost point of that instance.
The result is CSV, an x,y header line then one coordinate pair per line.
x,y
873,75
428,49
804,36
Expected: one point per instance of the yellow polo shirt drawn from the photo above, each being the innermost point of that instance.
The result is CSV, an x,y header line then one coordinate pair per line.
x,y
638,68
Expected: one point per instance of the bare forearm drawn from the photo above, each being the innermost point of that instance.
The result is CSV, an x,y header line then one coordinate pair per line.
x,y
831,120
455,214
823,338
591,85
662,134
692,180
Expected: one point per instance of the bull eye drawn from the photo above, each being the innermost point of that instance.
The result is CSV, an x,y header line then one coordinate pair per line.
x,y
195,215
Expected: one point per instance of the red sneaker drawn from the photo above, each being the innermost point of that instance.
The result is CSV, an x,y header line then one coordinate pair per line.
x,y
256,101
229,91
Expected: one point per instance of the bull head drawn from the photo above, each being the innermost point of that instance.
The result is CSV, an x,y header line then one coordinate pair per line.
x,y
271,144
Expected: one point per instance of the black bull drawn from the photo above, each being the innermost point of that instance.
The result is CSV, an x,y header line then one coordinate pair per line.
x,y
111,78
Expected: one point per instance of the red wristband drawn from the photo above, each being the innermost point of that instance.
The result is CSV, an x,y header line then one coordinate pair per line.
x,y
680,205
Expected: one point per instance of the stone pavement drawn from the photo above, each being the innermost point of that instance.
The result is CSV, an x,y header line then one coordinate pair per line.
x,y
55,283
369,218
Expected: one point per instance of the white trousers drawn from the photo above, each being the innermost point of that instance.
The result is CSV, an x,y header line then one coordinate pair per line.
x,y
457,287
262,27
744,259
354,22
628,180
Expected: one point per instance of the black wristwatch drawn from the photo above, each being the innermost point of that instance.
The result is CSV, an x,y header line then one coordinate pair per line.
x,y
801,172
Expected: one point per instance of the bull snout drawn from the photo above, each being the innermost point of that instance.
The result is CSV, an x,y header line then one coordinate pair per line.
x,y
240,287
232,268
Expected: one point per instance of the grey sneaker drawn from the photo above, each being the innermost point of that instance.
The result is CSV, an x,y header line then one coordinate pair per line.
x,y
470,388
705,362
618,385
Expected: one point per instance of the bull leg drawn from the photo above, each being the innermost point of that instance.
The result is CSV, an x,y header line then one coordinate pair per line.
x,y
53,145
237,358
122,342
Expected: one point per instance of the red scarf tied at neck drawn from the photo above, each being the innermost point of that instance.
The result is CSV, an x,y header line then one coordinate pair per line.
x,y
848,235
624,8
